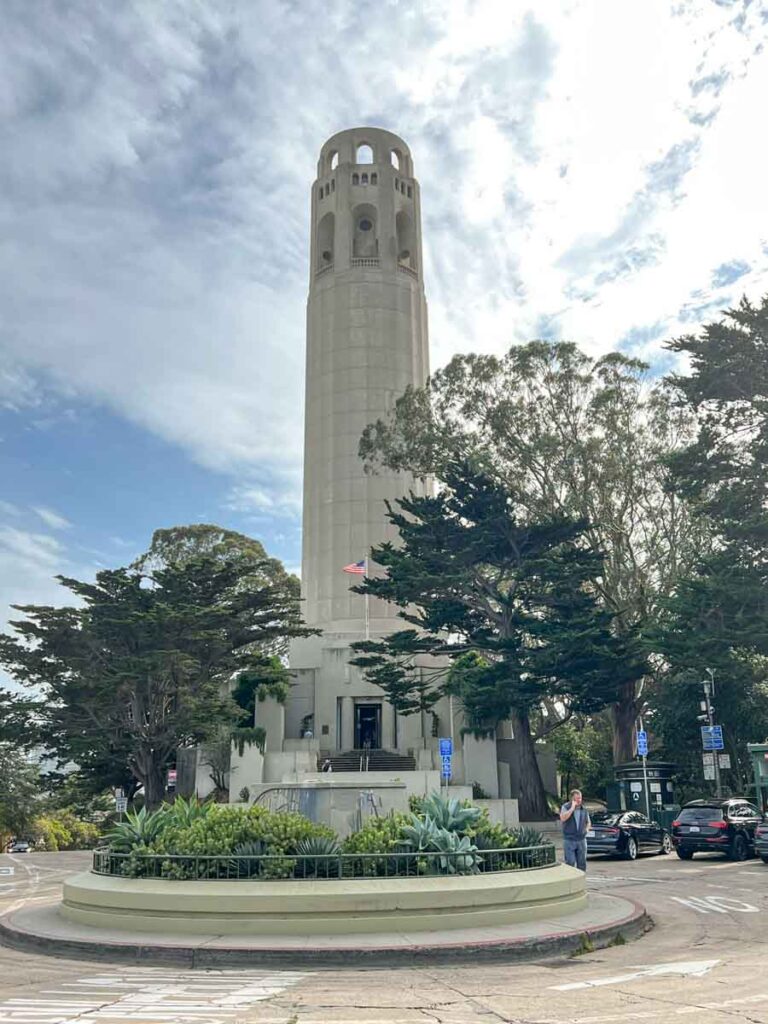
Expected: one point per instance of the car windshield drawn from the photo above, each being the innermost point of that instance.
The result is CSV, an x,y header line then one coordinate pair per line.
x,y
604,818
696,814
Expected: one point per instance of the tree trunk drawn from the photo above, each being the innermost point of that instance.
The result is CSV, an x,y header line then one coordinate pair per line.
x,y
150,770
623,717
532,796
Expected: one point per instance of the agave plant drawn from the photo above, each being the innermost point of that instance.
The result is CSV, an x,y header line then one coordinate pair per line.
x,y
183,812
246,862
318,855
460,856
420,833
137,829
449,814
527,836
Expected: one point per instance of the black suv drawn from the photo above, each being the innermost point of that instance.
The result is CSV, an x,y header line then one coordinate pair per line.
x,y
710,825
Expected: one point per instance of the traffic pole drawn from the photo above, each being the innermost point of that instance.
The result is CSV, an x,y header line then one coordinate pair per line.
x,y
709,689
645,776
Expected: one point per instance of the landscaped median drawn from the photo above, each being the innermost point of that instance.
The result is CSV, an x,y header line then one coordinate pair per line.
x,y
238,871
324,906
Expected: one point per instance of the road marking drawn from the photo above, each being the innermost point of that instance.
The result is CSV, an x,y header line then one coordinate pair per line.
x,y
716,904
694,968
7,871
154,996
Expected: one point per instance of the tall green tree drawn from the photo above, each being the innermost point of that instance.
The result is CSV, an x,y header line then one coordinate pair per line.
x,y
20,794
574,437
717,616
143,665
508,602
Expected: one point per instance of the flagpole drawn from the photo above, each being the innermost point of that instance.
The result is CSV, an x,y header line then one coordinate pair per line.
x,y
367,608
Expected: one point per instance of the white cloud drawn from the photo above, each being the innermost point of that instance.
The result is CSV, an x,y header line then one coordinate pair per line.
x,y
52,519
586,168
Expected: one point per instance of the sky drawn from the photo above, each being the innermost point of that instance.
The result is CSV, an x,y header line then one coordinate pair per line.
x,y
590,170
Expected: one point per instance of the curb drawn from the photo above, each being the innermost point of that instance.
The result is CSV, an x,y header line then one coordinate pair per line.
x,y
558,944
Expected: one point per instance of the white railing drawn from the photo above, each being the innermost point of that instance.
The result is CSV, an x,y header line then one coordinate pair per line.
x,y
365,261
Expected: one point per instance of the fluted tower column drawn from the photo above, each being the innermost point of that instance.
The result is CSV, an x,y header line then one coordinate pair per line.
x,y
366,342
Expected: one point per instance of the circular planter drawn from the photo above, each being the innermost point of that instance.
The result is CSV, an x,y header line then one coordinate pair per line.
x,y
327,907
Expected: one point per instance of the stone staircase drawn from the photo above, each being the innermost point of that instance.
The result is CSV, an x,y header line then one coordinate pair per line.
x,y
368,760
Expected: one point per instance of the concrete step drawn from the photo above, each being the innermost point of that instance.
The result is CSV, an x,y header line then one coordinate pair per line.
x,y
374,760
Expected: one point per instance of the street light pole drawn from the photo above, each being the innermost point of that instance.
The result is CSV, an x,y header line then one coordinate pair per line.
x,y
709,691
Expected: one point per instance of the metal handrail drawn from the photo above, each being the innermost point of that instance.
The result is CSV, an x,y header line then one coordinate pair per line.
x,y
403,863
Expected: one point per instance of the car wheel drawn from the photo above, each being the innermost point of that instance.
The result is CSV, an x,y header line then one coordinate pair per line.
x,y
739,849
631,851
685,854
666,843
763,858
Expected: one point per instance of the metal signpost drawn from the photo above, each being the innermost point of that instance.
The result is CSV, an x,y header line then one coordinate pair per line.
x,y
446,754
711,735
121,803
642,750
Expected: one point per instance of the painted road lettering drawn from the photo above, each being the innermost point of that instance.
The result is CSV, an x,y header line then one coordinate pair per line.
x,y
716,905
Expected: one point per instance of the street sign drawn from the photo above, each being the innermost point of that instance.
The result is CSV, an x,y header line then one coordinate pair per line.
x,y
709,771
445,771
712,737
446,746
708,758
172,778
121,804
642,742
725,760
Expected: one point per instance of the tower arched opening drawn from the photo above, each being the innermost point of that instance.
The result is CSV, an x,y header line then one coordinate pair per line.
x,y
396,158
364,154
326,230
365,238
405,239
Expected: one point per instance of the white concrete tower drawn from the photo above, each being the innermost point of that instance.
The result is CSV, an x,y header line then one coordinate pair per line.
x,y
366,342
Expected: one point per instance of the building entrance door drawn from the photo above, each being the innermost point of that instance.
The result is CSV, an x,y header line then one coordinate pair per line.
x,y
367,726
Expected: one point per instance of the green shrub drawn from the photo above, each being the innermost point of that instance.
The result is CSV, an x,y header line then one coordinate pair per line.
x,y
312,853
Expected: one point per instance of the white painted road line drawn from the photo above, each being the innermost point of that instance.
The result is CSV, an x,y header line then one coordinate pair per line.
x,y
716,905
691,968
151,996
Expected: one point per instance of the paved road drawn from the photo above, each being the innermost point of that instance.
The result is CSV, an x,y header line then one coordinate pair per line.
x,y
707,956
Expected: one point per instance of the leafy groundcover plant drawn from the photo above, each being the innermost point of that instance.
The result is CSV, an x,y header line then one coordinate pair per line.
x,y
193,840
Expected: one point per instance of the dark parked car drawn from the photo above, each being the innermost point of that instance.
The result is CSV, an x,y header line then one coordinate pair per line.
x,y
727,826
761,841
626,834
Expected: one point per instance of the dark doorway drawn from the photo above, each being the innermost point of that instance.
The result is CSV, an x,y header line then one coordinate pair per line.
x,y
367,726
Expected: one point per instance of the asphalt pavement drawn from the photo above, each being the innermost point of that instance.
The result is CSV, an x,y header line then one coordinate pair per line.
x,y
707,956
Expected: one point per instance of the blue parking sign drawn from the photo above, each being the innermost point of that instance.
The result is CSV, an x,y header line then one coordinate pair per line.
x,y
642,742
446,747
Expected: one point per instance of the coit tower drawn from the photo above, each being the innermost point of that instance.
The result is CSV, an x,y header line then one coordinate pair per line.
x,y
366,343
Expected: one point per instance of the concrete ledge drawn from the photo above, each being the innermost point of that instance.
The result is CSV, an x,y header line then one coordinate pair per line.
x,y
41,929
323,907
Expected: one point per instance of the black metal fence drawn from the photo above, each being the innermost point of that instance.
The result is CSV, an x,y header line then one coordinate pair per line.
x,y
265,867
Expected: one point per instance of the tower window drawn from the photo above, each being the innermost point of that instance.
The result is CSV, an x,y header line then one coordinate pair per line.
x,y
364,154
320,192
364,224
402,187
410,192
334,161
394,156
397,185
374,179
333,184
365,179
327,190
355,179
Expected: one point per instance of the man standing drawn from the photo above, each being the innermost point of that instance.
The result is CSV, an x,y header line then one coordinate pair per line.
x,y
575,819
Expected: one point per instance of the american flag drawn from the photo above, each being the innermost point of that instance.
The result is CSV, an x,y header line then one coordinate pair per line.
x,y
357,568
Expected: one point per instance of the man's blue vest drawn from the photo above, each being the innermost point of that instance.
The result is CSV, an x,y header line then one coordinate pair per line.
x,y
570,829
